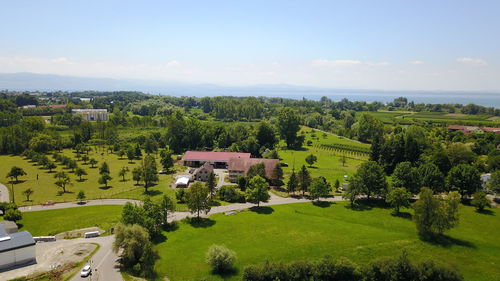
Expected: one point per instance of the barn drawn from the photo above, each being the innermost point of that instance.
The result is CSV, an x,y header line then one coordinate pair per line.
x,y
16,248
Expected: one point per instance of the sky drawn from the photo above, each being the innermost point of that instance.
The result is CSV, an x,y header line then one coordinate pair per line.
x,y
388,45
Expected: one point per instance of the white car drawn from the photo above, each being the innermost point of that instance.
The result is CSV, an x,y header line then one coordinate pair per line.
x,y
86,271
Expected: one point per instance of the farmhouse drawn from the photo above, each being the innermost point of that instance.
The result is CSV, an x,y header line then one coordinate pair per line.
x,y
217,159
92,114
202,173
239,167
17,248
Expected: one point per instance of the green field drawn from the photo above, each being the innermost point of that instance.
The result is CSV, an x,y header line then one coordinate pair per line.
x,y
45,189
328,164
405,117
52,222
306,231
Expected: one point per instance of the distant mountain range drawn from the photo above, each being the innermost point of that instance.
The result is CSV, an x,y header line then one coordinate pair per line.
x,y
49,82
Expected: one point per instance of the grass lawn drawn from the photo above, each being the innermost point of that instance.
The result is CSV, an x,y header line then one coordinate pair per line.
x,y
45,189
306,231
52,222
328,164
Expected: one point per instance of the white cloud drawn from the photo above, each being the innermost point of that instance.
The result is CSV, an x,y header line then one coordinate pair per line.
x,y
173,63
325,62
471,61
416,62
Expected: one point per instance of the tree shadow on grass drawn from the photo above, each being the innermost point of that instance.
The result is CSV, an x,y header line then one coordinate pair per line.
x,y
228,274
215,203
153,192
200,222
262,210
404,215
359,207
322,204
486,212
105,187
173,226
448,241
160,238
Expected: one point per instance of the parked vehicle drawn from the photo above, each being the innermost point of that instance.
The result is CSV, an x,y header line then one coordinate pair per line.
x,y
86,271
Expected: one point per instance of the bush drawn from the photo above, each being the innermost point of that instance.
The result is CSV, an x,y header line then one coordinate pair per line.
x,y
12,215
220,258
229,193
480,201
180,195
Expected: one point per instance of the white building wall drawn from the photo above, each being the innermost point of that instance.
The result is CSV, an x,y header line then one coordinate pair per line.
x,y
17,257
7,259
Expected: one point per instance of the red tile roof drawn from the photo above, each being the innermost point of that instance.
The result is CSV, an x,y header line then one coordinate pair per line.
x,y
213,156
242,164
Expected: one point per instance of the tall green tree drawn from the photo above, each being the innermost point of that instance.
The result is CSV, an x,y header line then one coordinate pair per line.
x,y
104,168
319,188
16,172
304,179
149,172
211,184
258,169
406,176
464,178
166,160
289,125
293,183
79,172
311,159
431,177
62,180
398,197
370,179
257,190
198,199
137,175
123,172
104,179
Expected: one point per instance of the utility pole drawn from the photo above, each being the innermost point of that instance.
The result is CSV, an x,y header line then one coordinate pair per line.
x,y
12,188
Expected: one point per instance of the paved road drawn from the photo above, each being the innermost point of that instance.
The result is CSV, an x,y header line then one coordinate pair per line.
x,y
76,204
221,173
104,263
4,193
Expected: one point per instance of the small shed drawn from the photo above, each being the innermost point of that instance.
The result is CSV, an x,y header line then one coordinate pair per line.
x,y
182,182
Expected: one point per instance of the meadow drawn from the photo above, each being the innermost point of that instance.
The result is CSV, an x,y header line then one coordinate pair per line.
x,y
308,231
406,118
45,189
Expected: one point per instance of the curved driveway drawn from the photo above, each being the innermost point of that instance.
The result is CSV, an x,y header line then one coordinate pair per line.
x,y
4,193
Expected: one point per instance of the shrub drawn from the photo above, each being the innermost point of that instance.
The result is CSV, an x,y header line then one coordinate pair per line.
x,y
229,193
480,201
180,195
13,215
220,258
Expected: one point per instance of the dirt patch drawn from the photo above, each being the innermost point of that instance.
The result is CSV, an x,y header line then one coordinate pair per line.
x,y
494,118
77,233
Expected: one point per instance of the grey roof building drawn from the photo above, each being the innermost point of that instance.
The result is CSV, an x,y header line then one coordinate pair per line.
x,y
16,248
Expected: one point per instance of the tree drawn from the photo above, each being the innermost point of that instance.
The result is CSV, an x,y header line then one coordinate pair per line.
x,y
15,173
166,160
123,172
27,193
494,183
398,197
304,179
42,143
258,169
71,164
104,169
130,154
137,175
257,190
480,201
198,199
121,153
464,178
266,135
277,175
434,215
79,172
293,183
319,188
220,258
104,179
352,191
289,125
62,180
149,172
12,214
337,185
369,179
80,196
211,184
137,251
92,162
50,165
369,127
311,159
343,160
430,176
167,205
406,176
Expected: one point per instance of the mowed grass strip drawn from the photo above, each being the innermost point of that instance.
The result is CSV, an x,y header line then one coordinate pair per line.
x,y
306,231
51,222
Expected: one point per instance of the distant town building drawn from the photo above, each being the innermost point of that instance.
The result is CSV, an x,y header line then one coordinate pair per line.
x,y
472,129
92,114
238,167
217,159
16,248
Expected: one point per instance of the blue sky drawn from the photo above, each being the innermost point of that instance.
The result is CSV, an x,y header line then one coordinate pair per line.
x,y
399,44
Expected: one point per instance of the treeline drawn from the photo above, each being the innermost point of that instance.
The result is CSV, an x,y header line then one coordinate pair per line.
x,y
394,268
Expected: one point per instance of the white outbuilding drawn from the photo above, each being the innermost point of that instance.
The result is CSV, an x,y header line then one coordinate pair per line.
x,y
16,248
